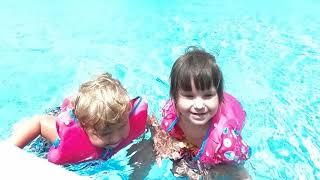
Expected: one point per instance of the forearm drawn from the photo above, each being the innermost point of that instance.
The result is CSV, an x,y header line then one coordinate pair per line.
x,y
27,130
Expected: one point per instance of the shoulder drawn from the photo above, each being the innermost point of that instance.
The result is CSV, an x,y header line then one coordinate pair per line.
x,y
168,111
233,112
232,147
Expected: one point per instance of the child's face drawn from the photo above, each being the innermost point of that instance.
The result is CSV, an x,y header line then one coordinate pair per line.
x,y
113,136
197,106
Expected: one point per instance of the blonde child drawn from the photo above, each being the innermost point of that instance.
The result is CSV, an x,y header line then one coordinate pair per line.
x,y
96,123
204,121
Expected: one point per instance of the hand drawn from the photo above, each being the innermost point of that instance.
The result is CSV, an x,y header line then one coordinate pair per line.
x,y
66,121
65,118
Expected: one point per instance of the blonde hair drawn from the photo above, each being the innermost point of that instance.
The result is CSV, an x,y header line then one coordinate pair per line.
x,y
101,103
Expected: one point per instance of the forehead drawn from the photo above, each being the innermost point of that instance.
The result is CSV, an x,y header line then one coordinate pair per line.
x,y
114,127
201,80
194,90
196,85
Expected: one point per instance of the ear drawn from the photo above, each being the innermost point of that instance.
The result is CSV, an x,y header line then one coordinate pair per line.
x,y
92,136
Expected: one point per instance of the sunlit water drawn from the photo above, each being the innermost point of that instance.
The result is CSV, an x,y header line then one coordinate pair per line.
x,y
269,53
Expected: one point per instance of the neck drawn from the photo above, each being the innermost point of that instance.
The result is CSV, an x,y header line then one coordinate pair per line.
x,y
199,130
204,126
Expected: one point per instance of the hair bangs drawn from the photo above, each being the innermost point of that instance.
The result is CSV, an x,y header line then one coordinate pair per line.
x,y
198,67
203,80
184,80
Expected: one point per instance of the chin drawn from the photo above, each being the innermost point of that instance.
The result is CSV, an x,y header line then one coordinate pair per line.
x,y
199,123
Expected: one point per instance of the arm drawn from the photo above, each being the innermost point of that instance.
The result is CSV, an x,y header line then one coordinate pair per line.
x,y
27,130
233,149
164,145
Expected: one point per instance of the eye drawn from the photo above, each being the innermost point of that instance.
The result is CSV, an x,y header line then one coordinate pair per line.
x,y
105,135
208,95
123,126
188,95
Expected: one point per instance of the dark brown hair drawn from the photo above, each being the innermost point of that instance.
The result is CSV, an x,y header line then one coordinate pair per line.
x,y
197,65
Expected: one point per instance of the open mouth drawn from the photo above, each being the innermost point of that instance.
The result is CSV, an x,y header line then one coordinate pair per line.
x,y
113,145
198,114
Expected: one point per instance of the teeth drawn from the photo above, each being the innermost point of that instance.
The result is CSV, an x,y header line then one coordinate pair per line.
x,y
198,113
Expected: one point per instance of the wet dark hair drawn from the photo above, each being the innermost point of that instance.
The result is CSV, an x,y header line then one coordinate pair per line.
x,y
197,65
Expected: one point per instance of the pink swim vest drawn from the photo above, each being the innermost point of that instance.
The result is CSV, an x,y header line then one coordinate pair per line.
x,y
222,142
73,144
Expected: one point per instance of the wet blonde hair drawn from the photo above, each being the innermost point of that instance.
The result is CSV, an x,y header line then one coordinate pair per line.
x,y
101,103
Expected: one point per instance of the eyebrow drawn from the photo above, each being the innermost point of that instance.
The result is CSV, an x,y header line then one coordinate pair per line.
x,y
210,90
185,92
111,128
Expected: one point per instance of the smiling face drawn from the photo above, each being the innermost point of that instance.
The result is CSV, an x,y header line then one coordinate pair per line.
x,y
197,106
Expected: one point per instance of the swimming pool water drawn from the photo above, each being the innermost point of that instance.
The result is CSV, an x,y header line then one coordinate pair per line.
x,y
268,52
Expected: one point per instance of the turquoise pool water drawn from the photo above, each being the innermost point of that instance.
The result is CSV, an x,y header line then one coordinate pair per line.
x,y
269,53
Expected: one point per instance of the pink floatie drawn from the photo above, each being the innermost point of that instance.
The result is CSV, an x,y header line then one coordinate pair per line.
x,y
227,123
73,144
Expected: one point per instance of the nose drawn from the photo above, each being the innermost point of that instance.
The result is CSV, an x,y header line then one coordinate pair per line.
x,y
198,103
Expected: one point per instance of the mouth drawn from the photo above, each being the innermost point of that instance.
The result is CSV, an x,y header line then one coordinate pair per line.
x,y
113,145
198,116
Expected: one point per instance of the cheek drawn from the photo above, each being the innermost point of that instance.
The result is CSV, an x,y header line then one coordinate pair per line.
x,y
125,131
96,141
215,110
214,106
183,105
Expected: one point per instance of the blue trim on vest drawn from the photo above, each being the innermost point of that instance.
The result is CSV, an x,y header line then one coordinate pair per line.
x,y
136,105
204,142
203,145
106,153
249,152
174,122
72,115
56,142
